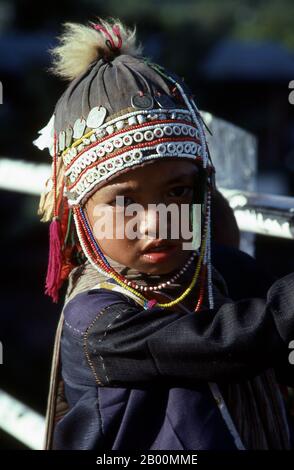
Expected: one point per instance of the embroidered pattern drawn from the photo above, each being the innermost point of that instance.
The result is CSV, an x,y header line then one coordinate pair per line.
x,y
126,141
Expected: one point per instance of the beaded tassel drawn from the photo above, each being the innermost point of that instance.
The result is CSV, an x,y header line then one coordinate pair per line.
x,y
52,283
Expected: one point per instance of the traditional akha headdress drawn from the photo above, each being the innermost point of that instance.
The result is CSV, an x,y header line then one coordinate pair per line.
x,y
119,111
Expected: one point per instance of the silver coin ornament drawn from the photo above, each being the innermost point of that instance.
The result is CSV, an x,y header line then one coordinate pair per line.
x,y
68,136
142,101
79,128
61,141
96,117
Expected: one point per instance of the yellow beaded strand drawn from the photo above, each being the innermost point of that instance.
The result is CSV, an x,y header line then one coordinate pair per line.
x,y
77,142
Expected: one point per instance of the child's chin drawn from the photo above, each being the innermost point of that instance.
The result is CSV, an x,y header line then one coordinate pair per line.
x,y
159,269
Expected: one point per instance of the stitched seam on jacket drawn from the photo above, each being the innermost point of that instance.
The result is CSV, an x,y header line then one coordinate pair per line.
x,y
125,298
72,328
103,337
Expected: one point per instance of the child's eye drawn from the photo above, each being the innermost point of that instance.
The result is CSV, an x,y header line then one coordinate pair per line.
x,y
181,191
125,202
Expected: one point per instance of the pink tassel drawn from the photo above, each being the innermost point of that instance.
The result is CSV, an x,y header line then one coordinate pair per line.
x,y
55,260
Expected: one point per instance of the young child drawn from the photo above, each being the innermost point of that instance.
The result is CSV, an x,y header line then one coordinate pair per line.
x,y
150,351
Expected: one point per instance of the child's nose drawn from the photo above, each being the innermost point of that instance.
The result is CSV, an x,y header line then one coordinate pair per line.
x,y
152,224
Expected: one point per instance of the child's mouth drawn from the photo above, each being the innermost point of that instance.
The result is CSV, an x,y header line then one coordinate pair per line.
x,y
159,254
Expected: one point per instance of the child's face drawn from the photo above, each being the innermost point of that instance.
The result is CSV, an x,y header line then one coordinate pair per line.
x,y
166,182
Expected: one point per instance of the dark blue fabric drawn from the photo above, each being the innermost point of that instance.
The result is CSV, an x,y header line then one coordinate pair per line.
x,y
160,416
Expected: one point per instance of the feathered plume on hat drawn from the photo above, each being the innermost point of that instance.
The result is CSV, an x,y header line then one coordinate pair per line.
x,y
118,111
82,45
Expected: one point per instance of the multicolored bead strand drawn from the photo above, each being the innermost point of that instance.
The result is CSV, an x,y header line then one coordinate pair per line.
x,y
208,261
202,288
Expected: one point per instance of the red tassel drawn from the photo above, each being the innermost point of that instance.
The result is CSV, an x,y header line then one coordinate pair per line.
x,y
55,260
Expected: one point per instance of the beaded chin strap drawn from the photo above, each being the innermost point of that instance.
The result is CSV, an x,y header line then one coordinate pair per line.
x,y
203,266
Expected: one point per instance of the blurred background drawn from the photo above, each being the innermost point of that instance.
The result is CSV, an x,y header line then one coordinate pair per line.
x,y
238,58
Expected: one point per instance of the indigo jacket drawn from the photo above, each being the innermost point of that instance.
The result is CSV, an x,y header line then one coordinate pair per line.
x,y
125,378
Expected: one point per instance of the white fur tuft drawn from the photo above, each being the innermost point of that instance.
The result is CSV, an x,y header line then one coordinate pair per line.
x,y
80,45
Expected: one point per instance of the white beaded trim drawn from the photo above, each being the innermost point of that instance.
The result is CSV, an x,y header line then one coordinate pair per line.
x,y
104,170
126,120
134,137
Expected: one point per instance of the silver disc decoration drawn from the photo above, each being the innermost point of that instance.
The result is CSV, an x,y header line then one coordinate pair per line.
x,y
68,136
142,101
96,117
61,141
79,128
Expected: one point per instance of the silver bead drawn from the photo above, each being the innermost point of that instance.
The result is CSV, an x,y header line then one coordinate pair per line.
x,y
141,118
100,133
109,130
73,152
120,125
132,120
